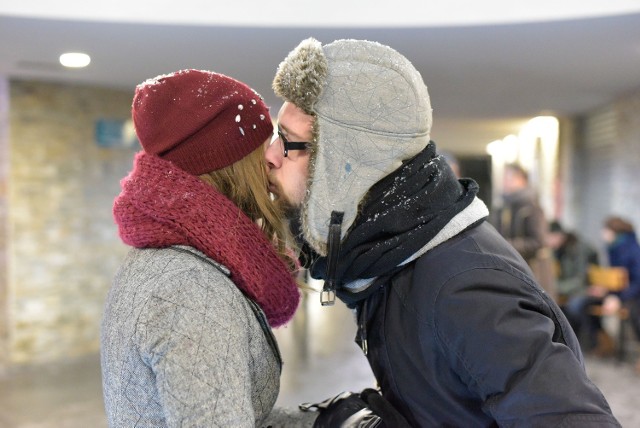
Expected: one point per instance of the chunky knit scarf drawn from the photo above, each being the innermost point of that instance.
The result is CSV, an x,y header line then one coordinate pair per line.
x,y
161,205
412,210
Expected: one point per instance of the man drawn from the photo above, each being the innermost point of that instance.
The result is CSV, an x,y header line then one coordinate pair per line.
x,y
455,328
573,257
521,221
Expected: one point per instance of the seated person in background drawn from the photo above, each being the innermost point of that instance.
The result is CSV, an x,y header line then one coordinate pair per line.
x,y
573,256
623,250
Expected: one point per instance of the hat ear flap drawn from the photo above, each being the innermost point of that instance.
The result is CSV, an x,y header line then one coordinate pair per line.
x,y
301,76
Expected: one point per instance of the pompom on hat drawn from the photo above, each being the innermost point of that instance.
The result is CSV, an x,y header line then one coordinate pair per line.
x,y
199,120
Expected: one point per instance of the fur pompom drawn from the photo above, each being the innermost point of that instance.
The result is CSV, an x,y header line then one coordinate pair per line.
x,y
301,76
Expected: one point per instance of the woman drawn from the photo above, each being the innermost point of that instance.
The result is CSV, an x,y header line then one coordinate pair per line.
x,y
624,251
186,338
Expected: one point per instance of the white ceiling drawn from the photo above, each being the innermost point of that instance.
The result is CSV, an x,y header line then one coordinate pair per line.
x,y
487,72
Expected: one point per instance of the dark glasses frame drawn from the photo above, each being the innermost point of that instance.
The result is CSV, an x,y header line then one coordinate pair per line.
x,y
288,145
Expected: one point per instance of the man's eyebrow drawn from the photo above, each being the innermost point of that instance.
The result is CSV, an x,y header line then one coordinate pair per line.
x,y
288,132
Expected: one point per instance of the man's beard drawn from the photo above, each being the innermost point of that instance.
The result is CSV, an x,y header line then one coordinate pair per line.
x,y
291,213
289,209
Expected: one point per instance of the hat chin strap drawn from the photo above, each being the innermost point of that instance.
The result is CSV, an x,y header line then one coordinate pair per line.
x,y
328,295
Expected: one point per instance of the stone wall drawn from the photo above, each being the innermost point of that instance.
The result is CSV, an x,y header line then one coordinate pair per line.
x,y
4,164
63,247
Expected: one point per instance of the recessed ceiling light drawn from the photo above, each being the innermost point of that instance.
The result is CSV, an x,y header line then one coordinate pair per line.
x,y
75,59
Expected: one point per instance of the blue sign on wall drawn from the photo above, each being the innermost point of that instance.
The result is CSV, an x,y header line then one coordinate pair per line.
x,y
113,133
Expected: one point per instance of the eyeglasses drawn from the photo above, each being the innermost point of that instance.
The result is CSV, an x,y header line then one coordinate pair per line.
x,y
286,144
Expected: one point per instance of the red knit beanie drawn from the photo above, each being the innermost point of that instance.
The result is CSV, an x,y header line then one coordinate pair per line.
x,y
199,120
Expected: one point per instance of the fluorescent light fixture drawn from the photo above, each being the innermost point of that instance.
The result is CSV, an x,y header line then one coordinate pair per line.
x,y
75,59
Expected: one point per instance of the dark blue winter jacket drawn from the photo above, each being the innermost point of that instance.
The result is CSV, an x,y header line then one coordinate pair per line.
x,y
625,252
480,343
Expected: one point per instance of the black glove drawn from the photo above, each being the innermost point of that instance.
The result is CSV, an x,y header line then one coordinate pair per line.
x,y
367,409
391,418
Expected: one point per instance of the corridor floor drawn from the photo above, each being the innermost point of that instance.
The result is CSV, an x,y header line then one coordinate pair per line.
x,y
320,361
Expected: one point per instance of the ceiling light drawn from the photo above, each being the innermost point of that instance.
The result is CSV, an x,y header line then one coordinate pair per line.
x,y
75,59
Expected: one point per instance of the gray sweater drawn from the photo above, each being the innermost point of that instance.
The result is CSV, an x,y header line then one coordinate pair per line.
x,y
182,346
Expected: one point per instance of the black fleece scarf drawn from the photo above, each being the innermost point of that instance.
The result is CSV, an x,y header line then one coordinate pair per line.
x,y
399,215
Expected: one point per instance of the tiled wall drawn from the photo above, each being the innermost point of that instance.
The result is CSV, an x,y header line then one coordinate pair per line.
x,y
62,247
605,173
628,185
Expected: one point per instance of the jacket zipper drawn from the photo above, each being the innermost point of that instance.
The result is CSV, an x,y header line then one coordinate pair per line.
x,y
362,328
262,319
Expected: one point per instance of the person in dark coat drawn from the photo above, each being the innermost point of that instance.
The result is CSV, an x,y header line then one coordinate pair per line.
x,y
623,251
455,327
521,221
573,257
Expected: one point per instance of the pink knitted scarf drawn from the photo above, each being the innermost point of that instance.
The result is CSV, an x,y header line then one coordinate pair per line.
x,y
161,205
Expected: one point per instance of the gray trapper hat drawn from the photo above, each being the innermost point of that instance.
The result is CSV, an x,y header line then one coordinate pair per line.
x,y
372,111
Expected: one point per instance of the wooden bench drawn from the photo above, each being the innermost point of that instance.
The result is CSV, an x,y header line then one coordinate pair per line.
x,y
614,279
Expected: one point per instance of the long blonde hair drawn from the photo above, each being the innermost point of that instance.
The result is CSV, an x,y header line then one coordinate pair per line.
x,y
245,184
